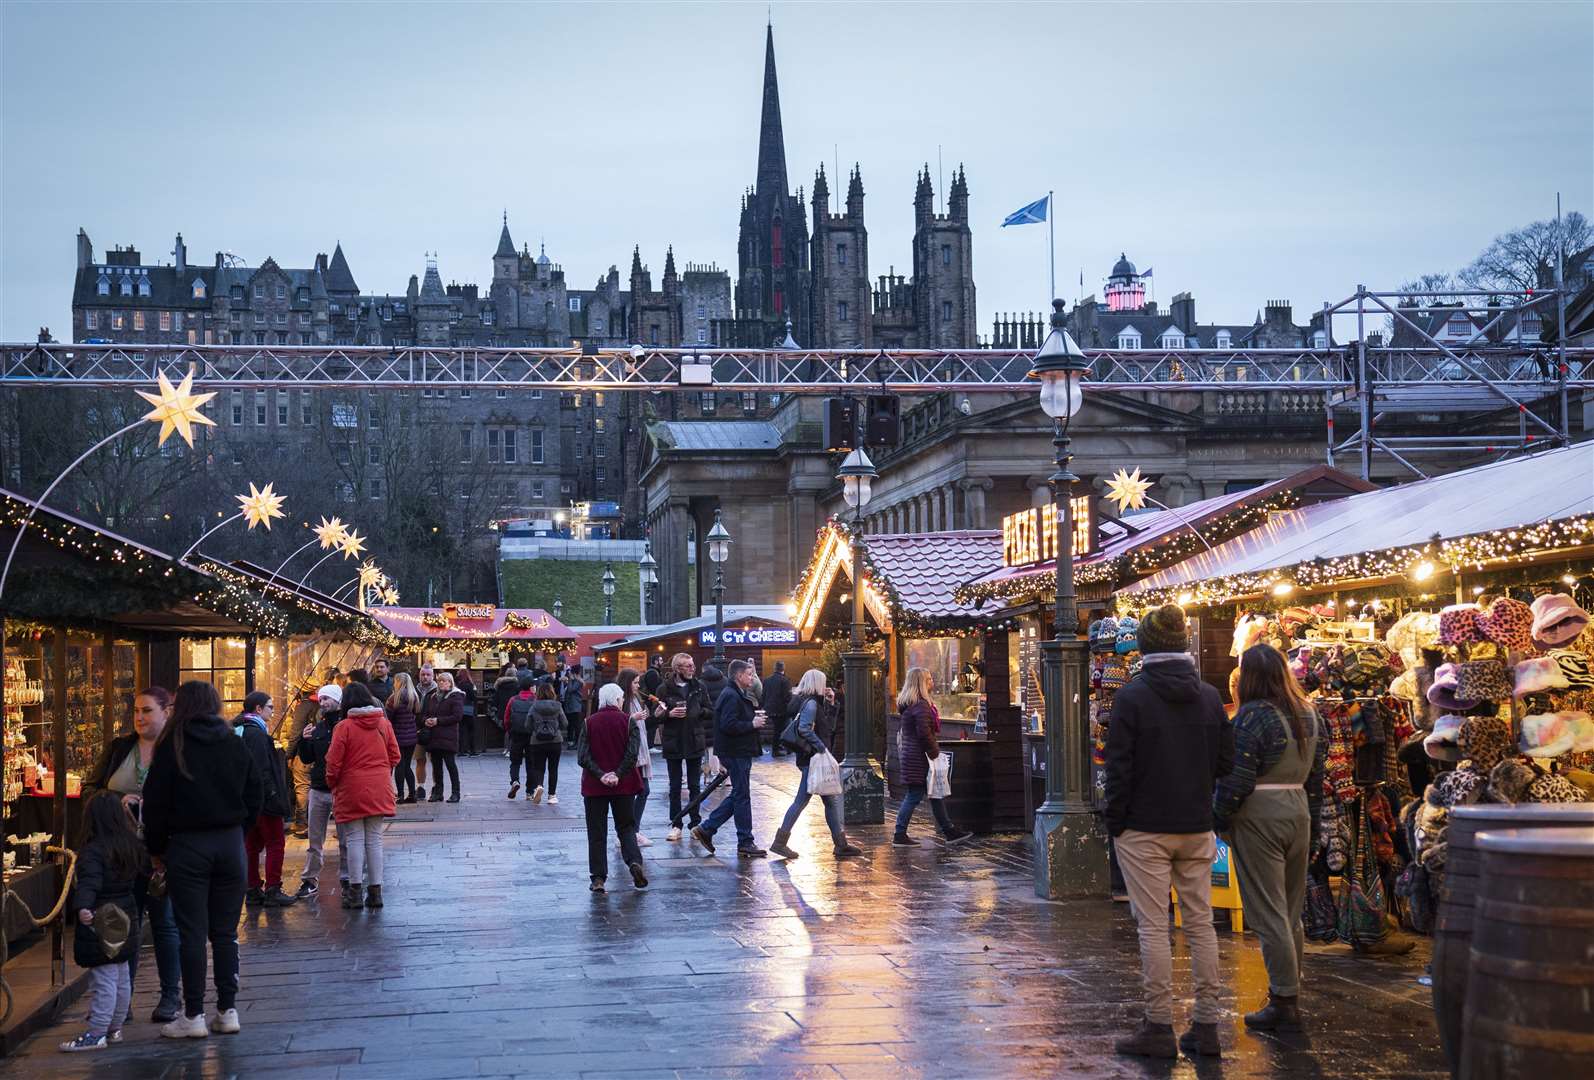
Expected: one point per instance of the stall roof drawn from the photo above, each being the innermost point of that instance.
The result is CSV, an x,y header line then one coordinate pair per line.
x,y
533,626
734,616
1139,537
1515,494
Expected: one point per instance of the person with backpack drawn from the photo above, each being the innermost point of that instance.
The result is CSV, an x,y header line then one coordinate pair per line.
x,y
359,766
547,741
109,862
267,837
1168,742
518,719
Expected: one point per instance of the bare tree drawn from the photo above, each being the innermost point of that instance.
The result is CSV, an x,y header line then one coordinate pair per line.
x,y
1525,258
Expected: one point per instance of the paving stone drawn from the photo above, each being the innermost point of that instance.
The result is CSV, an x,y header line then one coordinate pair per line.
x,y
492,959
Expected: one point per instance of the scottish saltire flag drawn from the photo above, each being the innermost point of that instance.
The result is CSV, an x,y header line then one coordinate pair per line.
x,y
1032,214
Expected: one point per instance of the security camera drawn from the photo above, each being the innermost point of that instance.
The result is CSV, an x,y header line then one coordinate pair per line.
x,y
965,408
638,352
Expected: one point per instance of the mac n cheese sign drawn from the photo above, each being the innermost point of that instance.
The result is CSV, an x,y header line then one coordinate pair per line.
x,y
1030,536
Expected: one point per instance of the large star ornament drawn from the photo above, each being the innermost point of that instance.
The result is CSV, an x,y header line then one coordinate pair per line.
x,y
390,596
260,506
330,533
1128,490
352,544
177,408
371,574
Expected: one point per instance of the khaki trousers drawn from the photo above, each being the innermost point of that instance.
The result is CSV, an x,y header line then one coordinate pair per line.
x,y
1272,838
1152,862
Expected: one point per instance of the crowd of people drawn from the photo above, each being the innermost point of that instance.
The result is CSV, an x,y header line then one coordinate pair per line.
x,y
188,814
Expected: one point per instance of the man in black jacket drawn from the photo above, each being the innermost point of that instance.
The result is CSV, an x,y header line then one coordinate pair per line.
x,y
737,722
1167,744
777,706
266,835
380,683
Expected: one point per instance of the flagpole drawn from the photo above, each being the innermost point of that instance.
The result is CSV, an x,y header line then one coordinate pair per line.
x,y
1051,242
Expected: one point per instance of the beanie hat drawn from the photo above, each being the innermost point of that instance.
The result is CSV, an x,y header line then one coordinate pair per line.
x,y
1128,635
331,690
1538,674
1164,630
1557,620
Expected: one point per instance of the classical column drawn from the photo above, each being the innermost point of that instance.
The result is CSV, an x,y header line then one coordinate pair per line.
x,y
674,570
949,495
974,490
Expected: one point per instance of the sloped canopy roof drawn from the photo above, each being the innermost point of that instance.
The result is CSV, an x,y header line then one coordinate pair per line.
x,y
716,435
446,623
1515,494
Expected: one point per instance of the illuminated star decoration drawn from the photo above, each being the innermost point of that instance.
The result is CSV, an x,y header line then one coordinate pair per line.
x,y
371,574
260,506
177,408
1128,490
352,544
330,533
390,596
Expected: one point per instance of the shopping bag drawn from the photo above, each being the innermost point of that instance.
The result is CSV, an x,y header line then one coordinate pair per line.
x,y
940,776
824,775
711,765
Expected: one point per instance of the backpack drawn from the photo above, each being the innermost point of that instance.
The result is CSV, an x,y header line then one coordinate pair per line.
x,y
544,727
520,715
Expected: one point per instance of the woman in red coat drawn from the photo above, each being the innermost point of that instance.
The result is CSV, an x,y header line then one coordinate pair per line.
x,y
607,752
360,773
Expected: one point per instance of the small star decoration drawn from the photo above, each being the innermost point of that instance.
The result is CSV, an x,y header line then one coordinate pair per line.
x,y
177,408
352,544
260,506
390,596
330,533
1128,490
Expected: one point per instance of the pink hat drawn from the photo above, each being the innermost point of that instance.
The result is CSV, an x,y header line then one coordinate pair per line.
x,y
1557,620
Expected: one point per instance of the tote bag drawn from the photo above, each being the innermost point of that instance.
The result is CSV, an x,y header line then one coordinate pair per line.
x,y
939,779
824,775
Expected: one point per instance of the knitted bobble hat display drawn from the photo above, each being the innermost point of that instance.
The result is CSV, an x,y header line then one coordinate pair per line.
x,y
1128,635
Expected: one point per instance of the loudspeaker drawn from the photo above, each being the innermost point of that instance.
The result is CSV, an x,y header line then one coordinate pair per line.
x,y
841,423
882,420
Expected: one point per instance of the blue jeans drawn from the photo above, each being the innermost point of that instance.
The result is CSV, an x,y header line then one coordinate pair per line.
x,y
910,803
641,803
800,803
163,928
739,802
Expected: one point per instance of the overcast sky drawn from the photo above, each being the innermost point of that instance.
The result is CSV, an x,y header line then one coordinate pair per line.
x,y
1246,152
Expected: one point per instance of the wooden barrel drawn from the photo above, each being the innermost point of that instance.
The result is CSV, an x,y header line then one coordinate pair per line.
x,y
1530,991
1452,940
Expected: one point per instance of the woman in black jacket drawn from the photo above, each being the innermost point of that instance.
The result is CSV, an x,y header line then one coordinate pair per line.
x,y
203,791
684,714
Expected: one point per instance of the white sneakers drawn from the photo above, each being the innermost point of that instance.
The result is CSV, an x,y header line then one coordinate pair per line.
x,y
536,795
553,800
195,1027
673,836
190,1027
643,841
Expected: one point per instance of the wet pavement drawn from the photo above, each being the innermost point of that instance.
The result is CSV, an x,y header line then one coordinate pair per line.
x,y
491,958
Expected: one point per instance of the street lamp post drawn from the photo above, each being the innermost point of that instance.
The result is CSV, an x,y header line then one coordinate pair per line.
x,y
648,574
863,789
559,608
719,549
608,594
1070,850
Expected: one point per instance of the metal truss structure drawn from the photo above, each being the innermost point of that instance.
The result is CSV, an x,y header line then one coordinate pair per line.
x,y
1484,373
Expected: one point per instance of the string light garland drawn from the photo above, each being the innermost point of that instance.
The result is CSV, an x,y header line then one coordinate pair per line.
x,y
1477,552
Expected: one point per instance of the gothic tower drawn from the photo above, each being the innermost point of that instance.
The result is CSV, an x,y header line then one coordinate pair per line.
x,y
842,313
772,249
943,267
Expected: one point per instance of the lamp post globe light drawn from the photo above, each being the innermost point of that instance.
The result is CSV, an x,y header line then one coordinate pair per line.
x,y
608,594
558,608
648,574
863,788
1070,849
719,549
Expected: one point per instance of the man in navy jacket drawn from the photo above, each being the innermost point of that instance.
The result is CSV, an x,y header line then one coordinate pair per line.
x,y
737,722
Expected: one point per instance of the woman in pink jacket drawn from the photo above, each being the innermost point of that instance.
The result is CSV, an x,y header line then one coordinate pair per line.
x,y
360,773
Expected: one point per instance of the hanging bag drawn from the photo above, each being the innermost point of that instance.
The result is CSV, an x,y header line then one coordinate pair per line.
x,y
939,779
1362,905
824,775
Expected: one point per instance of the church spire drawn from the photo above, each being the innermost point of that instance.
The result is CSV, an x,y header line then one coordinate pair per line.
x,y
771,141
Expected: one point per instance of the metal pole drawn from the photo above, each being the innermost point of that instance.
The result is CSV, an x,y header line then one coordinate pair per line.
x,y
719,617
1366,402
1564,420
1070,855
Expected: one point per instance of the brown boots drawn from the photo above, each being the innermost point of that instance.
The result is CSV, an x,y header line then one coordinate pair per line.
x,y
1279,1014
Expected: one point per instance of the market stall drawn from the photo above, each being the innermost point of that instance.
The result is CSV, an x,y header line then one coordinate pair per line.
x,y
913,620
1442,627
755,634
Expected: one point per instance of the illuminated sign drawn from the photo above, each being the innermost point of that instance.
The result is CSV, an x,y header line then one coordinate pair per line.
x,y
469,611
1031,537
765,635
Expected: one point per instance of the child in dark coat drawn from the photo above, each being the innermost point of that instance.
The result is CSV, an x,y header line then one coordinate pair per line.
x,y
108,931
